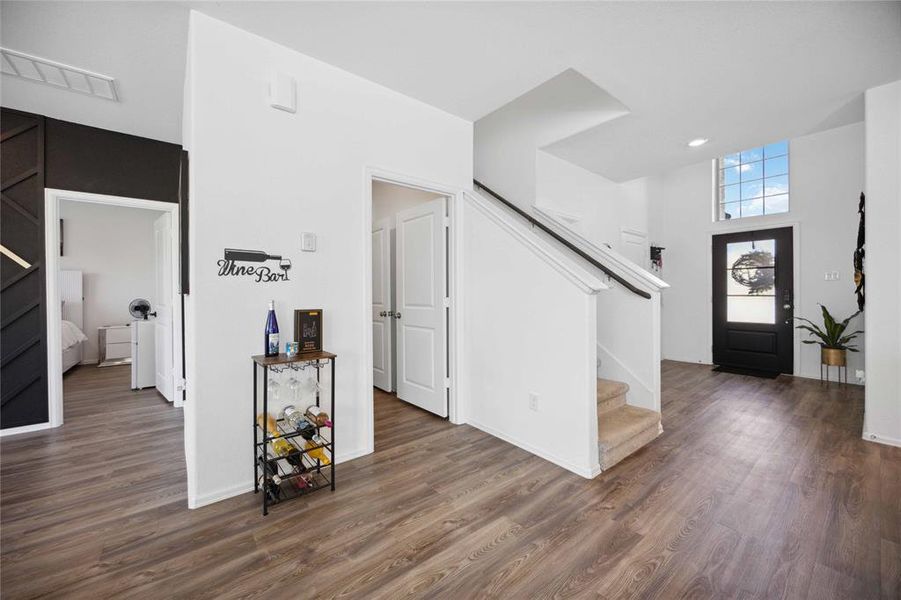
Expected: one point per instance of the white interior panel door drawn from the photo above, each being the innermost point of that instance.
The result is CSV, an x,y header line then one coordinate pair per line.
x,y
382,325
420,312
162,236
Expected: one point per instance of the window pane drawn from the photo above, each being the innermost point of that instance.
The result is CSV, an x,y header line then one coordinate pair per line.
x,y
775,166
752,171
776,185
752,208
751,155
729,211
751,281
730,175
777,149
752,189
751,309
759,253
776,204
730,160
729,193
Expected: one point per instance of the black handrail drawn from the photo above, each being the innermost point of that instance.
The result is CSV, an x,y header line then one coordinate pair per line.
x,y
536,223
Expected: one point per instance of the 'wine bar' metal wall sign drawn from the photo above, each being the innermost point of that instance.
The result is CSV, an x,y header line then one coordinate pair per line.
x,y
229,267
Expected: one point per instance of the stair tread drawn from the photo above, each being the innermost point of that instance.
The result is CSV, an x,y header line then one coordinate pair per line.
x,y
623,423
608,388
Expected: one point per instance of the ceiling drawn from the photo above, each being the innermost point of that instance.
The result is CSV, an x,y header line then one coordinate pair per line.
x,y
737,73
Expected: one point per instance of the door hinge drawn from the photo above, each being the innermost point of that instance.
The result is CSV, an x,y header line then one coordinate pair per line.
x,y
447,221
181,385
447,382
447,303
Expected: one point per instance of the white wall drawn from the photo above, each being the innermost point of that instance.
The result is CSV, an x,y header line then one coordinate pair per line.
x,y
529,329
113,247
389,199
259,177
506,141
826,178
603,207
882,421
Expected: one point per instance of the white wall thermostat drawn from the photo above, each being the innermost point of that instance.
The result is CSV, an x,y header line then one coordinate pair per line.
x,y
308,242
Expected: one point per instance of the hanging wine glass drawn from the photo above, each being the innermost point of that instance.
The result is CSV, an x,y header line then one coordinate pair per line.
x,y
293,387
273,388
309,390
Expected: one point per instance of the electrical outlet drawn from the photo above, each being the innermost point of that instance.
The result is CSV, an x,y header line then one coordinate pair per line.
x,y
831,276
533,402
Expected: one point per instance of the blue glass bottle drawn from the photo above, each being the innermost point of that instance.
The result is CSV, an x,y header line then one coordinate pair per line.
x,y
271,331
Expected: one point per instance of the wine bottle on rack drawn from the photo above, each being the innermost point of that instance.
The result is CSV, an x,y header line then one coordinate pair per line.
x,y
280,446
271,331
317,452
296,419
318,417
272,489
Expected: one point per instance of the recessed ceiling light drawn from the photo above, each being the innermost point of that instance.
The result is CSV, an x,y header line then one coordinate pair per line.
x,y
697,142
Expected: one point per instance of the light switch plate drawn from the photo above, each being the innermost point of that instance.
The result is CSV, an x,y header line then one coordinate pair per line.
x,y
282,92
308,242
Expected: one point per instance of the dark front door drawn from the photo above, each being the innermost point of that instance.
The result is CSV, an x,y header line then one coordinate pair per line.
x,y
753,300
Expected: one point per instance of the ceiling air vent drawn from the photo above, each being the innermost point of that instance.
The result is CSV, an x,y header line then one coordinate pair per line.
x,y
58,75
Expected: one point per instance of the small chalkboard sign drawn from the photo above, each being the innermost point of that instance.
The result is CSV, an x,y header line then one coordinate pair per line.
x,y
308,330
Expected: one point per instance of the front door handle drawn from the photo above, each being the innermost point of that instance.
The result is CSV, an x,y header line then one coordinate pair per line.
x,y
397,315
383,313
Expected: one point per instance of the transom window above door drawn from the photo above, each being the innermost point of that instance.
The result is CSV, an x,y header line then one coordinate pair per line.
x,y
754,182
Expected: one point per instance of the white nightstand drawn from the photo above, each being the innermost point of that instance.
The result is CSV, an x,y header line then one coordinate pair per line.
x,y
114,343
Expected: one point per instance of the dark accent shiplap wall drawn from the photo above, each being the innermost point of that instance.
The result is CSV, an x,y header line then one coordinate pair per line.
x,y
99,161
23,335
38,152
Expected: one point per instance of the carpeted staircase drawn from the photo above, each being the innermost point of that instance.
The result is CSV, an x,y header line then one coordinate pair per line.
x,y
622,429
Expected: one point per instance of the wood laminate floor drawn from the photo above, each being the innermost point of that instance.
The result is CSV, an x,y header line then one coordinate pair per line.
x,y
757,489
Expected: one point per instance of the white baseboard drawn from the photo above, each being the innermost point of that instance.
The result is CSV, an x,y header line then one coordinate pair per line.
x,y
586,472
237,490
89,361
352,455
25,429
210,498
881,439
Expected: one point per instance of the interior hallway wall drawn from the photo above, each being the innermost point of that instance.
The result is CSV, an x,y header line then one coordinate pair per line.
x,y
603,207
882,420
259,176
113,247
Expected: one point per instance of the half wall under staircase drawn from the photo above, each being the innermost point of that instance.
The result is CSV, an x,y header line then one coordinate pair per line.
x,y
617,332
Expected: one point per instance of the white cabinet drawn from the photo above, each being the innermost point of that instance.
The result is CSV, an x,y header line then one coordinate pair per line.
x,y
143,352
114,343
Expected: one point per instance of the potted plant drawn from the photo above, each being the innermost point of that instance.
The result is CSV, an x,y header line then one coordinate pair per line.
x,y
832,338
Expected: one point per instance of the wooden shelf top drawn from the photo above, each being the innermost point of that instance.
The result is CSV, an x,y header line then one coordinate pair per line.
x,y
283,359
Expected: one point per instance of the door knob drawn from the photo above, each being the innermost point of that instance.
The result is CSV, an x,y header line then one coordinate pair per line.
x,y
383,313
397,315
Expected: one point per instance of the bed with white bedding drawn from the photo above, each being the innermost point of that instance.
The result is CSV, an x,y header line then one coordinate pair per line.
x,y
73,338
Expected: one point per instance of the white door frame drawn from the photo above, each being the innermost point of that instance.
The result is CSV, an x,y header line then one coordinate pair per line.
x,y
52,198
455,327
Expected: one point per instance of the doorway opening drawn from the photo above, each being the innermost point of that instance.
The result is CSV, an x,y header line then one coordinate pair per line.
x,y
113,308
411,304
